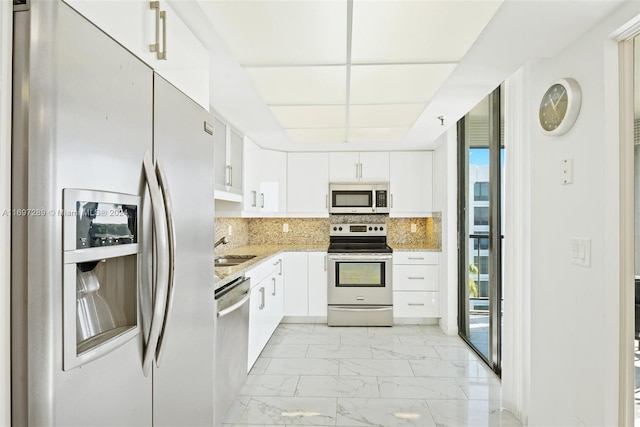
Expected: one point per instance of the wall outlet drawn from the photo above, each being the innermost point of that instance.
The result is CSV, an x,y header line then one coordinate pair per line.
x,y
567,171
285,228
414,228
230,231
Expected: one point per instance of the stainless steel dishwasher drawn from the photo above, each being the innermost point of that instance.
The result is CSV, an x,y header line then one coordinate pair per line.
x,y
231,344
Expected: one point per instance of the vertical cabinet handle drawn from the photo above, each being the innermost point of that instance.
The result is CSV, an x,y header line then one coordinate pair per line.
x,y
261,290
262,200
228,177
161,15
280,272
254,198
360,171
391,197
273,279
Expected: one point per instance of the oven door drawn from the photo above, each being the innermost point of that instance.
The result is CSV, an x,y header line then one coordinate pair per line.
x,y
359,279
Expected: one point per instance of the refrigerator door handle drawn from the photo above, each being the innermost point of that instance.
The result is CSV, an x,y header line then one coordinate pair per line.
x,y
164,187
160,290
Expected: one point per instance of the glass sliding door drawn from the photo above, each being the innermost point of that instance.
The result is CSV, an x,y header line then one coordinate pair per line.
x,y
480,228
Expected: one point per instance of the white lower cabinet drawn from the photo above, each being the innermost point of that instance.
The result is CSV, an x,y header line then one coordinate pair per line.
x,y
305,284
266,304
416,285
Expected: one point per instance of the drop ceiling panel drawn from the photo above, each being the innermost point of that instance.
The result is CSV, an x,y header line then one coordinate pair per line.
x,y
397,84
417,31
307,136
281,32
394,115
316,116
300,85
377,134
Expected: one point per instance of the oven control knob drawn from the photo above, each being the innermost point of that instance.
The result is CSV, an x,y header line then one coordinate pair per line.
x,y
335,228
381,228
370,228
339,228
375,228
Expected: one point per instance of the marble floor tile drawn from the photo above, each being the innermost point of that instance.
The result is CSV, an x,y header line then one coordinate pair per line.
x,y
488,388
471,413
341,351
373,367
404,352
336,386
285,350
397,330
303,366
449,368
270,385
420,387
384,412
310,338
448,352
260,366
369,338
425,339
285,328
317,411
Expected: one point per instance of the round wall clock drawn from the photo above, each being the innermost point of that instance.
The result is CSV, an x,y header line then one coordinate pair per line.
x,y
560,106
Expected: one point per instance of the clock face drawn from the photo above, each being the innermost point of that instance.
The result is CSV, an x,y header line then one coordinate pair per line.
x,y
553,107
560,106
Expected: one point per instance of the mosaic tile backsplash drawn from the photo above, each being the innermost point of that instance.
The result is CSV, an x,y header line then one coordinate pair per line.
x,y
315,231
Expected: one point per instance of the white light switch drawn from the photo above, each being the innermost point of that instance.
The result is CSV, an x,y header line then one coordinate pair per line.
x,y
414,228
581,252
567,171
285,228
230,231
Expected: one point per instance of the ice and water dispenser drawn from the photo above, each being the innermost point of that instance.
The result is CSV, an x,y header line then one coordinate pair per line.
x,y
102,260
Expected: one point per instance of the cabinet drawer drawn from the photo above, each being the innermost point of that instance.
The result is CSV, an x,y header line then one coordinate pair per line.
x,y
263,270
416,304
415,278
400,257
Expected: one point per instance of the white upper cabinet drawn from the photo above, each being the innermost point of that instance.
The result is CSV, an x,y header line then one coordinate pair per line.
x,y
411,183
265,181
227,158
363,166
308,184
137,25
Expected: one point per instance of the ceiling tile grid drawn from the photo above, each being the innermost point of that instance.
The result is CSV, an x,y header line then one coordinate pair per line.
x,y
330,76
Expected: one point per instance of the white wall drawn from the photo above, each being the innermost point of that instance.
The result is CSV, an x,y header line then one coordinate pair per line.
x,y
6,17
574,311
445,201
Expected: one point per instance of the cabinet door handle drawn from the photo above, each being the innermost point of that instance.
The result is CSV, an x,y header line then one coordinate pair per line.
x,y
161,15
254,198
273,279
391,197
261,290
360,170
416,304
262,198
415,278
357,169
228,177
416,257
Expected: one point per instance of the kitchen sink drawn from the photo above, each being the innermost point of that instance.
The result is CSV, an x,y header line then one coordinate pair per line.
x,y
231,260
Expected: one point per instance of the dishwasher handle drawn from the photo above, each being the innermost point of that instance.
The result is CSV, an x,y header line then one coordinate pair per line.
x,y
235,306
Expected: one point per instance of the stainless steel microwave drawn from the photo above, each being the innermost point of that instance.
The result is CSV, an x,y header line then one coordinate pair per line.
x,y
359,198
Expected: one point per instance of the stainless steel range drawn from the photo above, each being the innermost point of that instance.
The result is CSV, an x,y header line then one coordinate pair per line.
x,y
359,268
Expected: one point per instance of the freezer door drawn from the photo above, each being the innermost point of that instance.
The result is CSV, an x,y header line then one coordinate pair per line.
x,y
183,374
83,120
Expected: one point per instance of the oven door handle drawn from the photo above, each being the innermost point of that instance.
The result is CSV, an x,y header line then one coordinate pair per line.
x,y
359,257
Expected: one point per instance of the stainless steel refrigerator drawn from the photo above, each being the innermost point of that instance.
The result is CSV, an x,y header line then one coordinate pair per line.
x,y
112,234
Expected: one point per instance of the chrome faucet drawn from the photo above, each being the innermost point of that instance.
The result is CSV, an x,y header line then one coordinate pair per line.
x,y
222,241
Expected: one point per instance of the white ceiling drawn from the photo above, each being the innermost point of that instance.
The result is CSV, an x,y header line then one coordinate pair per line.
x,y
306,75
330,70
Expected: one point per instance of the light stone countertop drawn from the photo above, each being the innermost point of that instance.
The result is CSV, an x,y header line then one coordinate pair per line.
x,y
224,275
